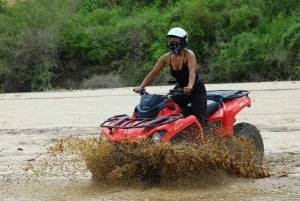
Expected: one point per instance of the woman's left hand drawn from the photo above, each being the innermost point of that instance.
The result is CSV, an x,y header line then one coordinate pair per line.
x,y
187,90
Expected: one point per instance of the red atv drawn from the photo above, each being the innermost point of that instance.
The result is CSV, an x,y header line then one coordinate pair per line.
x,y
159,118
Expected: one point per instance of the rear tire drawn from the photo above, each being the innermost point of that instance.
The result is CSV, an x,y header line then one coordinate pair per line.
x,y
248,143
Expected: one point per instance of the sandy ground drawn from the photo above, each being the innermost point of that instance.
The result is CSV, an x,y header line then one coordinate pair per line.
x,y
30,122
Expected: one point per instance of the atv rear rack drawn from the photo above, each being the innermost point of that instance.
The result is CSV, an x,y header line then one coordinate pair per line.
x,y
126,122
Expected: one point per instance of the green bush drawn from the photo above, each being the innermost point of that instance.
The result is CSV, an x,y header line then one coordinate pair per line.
x,y
266,52
30,44
63,43
297,69
240,60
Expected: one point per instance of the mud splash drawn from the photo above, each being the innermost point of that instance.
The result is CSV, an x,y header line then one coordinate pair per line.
x,y
164,163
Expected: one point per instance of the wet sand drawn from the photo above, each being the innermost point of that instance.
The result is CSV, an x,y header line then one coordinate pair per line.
x,y
30,123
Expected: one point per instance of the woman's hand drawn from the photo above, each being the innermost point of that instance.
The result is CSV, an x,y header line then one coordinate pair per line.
x,y
137,89
187,90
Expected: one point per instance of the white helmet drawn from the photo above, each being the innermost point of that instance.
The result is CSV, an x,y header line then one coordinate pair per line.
x,y
180,33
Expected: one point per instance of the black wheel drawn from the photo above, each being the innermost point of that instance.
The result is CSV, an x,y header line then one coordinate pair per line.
x,y
248,143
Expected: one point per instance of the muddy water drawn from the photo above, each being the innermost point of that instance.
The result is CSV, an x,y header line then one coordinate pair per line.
x,y
62,170
58,163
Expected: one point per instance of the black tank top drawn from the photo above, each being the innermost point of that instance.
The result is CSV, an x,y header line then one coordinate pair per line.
x,y
182,75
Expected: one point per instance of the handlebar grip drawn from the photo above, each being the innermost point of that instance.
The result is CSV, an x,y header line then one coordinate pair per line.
x,y
142,91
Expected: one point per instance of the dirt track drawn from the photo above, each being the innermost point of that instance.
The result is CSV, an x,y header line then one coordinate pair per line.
x,y
31,122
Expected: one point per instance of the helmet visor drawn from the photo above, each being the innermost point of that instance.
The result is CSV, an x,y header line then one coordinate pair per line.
x,y
173,39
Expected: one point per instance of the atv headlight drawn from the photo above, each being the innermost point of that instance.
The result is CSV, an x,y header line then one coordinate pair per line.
x,y
156,137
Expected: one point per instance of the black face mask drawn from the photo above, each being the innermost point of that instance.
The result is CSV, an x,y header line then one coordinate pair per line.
x,y
175,47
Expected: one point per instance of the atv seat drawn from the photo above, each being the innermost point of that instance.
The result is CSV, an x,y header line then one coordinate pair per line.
x,y
225,95
212,106
216,97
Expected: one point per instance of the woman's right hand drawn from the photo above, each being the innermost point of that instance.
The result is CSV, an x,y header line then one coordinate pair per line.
x,y
137,89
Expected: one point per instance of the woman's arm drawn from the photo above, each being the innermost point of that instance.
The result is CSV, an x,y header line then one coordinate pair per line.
x,y
192,65
153,73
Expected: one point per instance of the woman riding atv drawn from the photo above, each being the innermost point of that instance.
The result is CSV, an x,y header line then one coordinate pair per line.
x,y
183,67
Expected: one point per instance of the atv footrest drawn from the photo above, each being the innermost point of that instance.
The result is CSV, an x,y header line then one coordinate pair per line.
x,y
125,122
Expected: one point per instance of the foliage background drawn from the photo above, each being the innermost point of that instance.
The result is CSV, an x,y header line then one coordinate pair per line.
x,y
110,43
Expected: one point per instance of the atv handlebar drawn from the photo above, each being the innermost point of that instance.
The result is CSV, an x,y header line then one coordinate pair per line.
x,y
141,91
172,92
175,91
